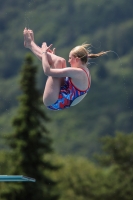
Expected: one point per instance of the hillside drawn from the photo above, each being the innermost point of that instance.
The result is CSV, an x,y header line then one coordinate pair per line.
x,y
107,26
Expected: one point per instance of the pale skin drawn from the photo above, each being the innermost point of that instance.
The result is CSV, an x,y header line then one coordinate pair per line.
x,y
55,68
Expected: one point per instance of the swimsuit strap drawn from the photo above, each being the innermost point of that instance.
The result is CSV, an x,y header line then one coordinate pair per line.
x,y
88,82
88,77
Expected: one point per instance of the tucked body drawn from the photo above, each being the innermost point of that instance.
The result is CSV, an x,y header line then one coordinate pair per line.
x,y
65,86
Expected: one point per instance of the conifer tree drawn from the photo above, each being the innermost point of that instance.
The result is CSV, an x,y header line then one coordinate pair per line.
x,y
29,143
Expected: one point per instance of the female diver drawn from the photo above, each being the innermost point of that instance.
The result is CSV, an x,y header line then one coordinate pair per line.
x,y
65,86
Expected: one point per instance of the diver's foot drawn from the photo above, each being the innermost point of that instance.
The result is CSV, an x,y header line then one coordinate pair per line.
x,y
27,38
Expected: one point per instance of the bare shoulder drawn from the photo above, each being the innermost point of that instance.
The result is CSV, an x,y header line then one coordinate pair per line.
x,y
83,73
83,81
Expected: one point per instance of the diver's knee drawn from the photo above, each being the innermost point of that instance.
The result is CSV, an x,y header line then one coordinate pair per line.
x,y
62,62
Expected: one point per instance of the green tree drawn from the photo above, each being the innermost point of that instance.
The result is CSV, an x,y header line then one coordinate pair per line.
x,y
118,151
80,179
119,158
30,143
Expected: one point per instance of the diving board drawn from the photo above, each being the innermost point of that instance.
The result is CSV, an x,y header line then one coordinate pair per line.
x,y
16,178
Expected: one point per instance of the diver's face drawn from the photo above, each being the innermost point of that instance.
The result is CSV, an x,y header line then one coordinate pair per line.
x,y
72,59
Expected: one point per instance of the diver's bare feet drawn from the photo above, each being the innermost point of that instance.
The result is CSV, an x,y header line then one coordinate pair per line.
x,y
27,38
31,34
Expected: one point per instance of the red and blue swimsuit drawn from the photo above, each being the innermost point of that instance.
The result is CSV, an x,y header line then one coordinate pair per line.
x,y
68,93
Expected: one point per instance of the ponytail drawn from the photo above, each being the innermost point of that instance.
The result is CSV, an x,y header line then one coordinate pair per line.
x,y
98,54
83,52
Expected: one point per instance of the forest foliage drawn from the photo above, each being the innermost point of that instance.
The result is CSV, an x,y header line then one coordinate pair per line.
x,y
107,25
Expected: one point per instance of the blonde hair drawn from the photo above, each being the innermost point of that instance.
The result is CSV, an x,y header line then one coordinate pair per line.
x,y
83,52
